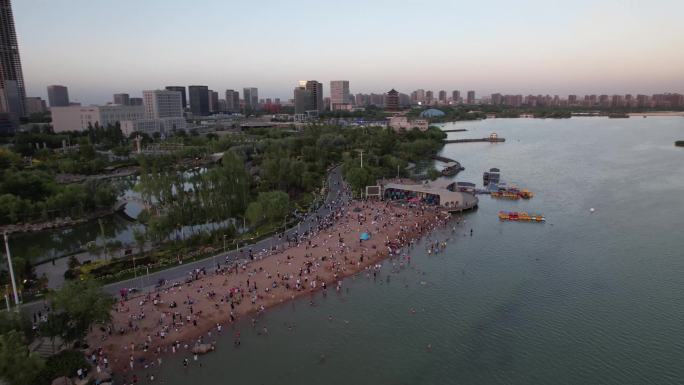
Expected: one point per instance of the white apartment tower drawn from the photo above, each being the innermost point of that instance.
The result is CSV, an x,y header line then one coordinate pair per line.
x,y
161,104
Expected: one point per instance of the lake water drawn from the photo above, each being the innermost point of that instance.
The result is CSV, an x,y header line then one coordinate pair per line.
x,y
582,299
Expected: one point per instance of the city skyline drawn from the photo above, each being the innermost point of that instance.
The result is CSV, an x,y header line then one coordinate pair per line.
x,y
574,48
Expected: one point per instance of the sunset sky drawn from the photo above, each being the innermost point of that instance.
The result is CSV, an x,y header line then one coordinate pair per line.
x,y
98,47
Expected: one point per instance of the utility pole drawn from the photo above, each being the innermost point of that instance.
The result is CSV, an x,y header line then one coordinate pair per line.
x,y
11,271
361,151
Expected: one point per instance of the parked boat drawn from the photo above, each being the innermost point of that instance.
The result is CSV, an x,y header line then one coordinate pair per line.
x,y
526,194
505,195
520,216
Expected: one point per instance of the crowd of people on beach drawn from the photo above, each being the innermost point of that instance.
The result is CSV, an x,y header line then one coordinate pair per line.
x,y
184,318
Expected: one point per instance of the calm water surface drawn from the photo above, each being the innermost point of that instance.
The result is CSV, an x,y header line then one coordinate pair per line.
x,y
583,299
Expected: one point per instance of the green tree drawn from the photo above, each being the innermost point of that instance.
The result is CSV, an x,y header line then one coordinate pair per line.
x,y
433,174
17,365
79,305
254,213
9,159
275,204
10,320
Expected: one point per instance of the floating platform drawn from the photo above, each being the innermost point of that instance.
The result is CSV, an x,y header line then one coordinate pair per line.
x,y
493,138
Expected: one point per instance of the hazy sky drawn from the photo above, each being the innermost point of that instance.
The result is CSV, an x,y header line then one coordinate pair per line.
x,y
99,47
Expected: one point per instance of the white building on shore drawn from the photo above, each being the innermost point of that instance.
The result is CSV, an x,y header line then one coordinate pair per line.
x,y
163,114
78,118
402,122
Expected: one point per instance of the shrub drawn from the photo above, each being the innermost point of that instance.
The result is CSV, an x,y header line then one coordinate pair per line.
x,y
65,363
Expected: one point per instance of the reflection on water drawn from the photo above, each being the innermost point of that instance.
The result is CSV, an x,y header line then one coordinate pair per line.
x,y
46,245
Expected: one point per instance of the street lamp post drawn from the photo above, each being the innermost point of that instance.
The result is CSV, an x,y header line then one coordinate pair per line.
x,y
11,271
142,283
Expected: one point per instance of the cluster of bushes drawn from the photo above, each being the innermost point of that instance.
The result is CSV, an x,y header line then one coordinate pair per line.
x,y
63,364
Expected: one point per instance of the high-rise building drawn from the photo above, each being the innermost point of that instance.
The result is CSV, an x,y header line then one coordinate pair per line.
x,y
497,99
339,94
213,101
135,101
642,100
470,99
316,90
12,92
429,97
199,100
616,101
418,96
251,95
58,96
122,99
442,97
392,100
362,100
163,113
162,104
232,101
35,105
513,100
629,100
377,100
455,96
302,100
180,89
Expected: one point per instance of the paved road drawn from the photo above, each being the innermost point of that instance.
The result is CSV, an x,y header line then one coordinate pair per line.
x,y
181,271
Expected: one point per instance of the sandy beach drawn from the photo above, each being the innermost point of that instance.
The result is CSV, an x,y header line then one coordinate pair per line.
x,y
185,315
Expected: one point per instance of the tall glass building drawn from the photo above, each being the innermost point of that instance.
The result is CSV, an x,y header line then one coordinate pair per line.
x,y
12,92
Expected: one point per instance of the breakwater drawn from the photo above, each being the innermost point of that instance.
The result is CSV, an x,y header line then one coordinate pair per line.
x,y
490,140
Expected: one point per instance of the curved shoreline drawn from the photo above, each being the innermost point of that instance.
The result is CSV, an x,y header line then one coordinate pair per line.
x,y
322,260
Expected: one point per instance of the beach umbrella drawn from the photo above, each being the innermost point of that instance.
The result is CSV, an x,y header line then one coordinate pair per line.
x,y
364,236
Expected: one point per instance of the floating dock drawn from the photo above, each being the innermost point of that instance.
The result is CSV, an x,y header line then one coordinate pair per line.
x,y
493,138
456,130
489,140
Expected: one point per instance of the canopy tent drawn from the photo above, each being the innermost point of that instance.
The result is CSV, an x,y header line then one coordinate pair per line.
x,y
364,236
